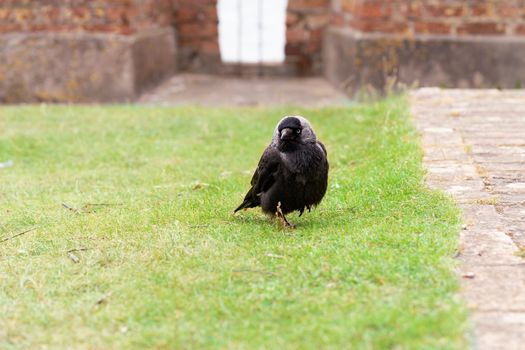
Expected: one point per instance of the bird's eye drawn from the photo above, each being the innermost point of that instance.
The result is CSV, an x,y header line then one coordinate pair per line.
x,y
298,131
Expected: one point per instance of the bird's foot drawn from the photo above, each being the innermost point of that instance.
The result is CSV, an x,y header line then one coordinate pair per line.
x,y
282,218
290,225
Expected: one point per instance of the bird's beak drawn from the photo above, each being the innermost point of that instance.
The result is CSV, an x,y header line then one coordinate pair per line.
x,y
286,134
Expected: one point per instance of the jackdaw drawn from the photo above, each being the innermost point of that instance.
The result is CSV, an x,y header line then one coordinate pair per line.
x,y
292,173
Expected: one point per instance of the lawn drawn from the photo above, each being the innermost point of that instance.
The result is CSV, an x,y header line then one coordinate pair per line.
x,y
134,244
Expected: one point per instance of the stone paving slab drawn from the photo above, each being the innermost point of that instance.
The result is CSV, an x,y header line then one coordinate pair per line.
x,y
213,91
504,330
474,143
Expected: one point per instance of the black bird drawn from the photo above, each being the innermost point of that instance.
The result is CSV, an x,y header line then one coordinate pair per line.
x,y
292,173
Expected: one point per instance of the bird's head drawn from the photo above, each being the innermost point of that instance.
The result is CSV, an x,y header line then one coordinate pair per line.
x,y
293,131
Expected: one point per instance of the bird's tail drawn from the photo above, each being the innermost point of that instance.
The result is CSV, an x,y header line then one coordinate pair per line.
x,y
248,202
244,205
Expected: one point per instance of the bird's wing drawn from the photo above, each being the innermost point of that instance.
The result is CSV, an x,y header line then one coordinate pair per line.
x,y
263,178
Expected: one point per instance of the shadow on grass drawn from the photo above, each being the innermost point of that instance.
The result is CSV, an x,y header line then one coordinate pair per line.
x,y
318,218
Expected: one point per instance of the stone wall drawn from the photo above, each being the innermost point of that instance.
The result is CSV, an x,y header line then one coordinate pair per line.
x,y
378,45
84,50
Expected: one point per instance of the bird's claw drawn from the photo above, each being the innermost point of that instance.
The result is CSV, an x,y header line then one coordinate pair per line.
x,y
282,218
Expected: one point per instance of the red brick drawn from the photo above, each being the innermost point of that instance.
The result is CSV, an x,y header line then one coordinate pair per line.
x,y
316,21
65,27
374,10
520,30
508,11
4,13
315,43
186,14
80,13
209,47
22,15
10,27
380,26
292,18
192,13
483,28
432,28
197,3
482,10
116,15
348,5
308,4
294,35
293,49
337,20
190,42
409,9
106,28
444,10
198,30
52,13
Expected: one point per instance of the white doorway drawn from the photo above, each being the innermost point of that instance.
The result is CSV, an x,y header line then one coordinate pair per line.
x,y
252,31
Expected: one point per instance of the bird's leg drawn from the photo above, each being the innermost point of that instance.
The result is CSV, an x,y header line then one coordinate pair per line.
x,y
282,218
287,223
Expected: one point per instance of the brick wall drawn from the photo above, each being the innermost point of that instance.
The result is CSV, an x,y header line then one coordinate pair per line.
x,y
197,34
445,17
306,21
94,64
447,43
106,16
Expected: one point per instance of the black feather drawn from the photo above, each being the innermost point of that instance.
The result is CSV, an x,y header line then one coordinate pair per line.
x,y
262,179
293,170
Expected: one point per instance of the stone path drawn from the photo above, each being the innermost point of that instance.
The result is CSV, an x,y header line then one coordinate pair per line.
x,y
209,90
474,145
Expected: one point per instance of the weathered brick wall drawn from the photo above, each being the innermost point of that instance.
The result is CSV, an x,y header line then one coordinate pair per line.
x,y
306,21
41,61
107,16
448,43
445,17
196,23
197,34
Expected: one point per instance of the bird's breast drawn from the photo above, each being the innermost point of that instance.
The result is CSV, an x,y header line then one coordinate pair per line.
x,y
301,179
304,163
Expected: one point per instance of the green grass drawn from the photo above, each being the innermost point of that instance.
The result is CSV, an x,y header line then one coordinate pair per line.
x,y
168,266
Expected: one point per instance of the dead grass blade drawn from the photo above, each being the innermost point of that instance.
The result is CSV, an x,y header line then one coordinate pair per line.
x,y
17,235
